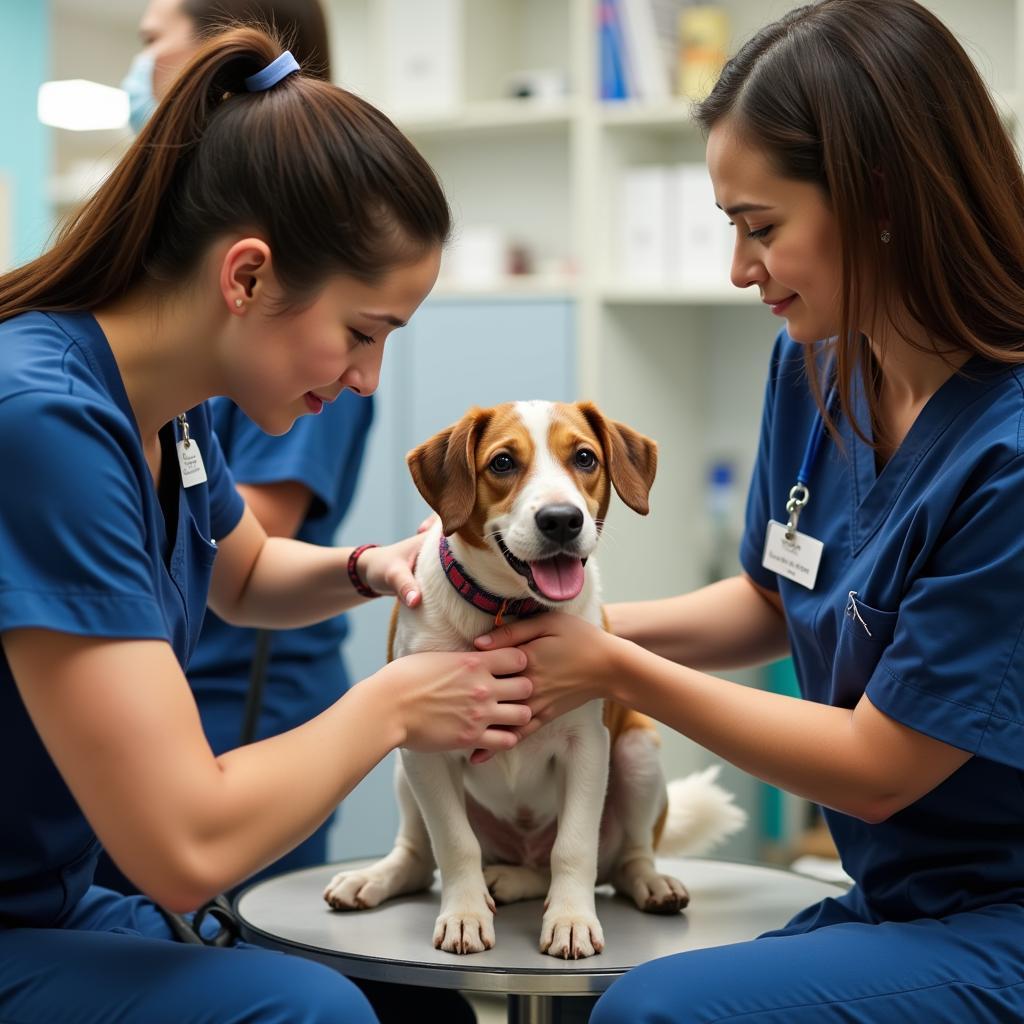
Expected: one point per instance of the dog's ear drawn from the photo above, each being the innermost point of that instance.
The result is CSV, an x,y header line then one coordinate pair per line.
x,y
444,470
632,458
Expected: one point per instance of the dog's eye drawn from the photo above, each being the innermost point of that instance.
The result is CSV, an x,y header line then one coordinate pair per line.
x,y
502,463
585,459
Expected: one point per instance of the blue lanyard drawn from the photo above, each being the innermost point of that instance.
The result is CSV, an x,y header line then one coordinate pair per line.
x,y
800,494
803,478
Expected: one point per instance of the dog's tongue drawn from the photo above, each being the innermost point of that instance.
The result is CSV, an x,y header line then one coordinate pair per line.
x,y
559,578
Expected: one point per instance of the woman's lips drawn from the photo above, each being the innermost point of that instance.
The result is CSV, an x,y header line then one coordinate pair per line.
x,y
314,404
778,308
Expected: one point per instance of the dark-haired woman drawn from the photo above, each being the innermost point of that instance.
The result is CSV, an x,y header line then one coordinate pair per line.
x,y
298,484
259,240
879,209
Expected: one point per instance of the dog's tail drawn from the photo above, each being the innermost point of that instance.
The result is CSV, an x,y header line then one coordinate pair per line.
x,y
700,815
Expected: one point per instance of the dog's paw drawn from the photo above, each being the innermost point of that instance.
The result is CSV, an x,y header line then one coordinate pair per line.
x,y
655,893
357,890
465,929
509,883
571,935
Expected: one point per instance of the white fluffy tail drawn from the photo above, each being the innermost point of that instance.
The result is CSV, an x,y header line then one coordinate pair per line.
x,y
700,815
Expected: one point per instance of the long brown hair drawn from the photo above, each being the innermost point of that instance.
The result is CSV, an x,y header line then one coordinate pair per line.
x,y
329,182
299,24
877,103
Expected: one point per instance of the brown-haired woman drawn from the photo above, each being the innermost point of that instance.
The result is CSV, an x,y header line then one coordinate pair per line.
x,y
879,208
298,484
260,239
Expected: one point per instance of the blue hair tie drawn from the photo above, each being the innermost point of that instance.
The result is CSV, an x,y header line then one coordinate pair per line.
x,y
277,69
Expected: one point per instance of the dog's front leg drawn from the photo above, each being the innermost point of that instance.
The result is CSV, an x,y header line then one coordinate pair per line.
x,y
570,928
409,867
466,921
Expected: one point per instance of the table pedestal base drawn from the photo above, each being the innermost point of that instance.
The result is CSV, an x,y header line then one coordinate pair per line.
x,y
550,1009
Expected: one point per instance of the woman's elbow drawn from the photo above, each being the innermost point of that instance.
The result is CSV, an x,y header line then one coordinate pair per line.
x,y
181,885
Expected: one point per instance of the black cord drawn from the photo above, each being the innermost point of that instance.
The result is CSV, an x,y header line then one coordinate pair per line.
x,y
257,677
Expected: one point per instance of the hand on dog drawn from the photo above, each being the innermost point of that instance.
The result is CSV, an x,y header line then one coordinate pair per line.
x,y
389,569
459,700
568,662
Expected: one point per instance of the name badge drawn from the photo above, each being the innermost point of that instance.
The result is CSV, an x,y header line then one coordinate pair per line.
x,y
797,559
191,462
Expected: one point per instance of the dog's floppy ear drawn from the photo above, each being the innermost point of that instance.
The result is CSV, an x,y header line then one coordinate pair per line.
x,y
632,458
444,470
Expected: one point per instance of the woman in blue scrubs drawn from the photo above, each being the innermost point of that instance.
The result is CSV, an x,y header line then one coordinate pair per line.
x,y
259,240
879,209
299,484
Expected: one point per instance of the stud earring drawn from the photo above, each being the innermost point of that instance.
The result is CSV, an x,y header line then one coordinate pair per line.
x,y
886,236
238,303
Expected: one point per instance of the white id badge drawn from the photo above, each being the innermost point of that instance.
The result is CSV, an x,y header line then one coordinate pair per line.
x,y
797,559
191,462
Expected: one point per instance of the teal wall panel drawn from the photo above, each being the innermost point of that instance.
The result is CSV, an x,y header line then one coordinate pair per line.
x,y
25,144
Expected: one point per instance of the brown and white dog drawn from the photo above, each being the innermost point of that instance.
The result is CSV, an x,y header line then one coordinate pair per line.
x,y
521,491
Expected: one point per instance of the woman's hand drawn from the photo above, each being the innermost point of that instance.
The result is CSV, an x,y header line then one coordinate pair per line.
x,y
389,569
458,701
427,523
569,662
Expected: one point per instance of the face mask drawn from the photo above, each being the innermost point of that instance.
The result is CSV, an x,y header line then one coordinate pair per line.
x,y
138,83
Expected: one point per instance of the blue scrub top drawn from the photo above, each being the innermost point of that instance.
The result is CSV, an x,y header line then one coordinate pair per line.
x,y
83,550
305,673
933,547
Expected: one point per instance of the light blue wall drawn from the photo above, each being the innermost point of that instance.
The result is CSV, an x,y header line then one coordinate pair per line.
x,y
25,158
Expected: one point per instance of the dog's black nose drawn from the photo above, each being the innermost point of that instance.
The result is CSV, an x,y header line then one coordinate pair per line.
x,y
560,523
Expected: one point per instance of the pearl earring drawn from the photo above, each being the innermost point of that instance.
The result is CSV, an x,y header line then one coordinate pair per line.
x,y
886,236
238,303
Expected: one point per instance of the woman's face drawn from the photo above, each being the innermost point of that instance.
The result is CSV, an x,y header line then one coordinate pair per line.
x,y
168,34
787,238
286,366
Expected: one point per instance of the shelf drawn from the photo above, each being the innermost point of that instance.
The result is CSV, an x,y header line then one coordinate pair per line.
x,y
636,114
525,288
497,115
675,295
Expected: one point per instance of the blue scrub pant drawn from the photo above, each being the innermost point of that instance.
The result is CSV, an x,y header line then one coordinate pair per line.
x,y
113,963
830,966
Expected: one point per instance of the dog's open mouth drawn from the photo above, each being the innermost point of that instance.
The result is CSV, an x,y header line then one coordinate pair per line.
x,y
559,578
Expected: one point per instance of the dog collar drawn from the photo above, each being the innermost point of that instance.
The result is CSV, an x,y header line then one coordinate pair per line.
x,y
469,590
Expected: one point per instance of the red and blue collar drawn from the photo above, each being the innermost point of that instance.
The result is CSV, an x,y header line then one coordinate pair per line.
x,y
469,590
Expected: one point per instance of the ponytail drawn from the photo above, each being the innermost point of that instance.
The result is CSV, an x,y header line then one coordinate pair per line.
x,y
329,182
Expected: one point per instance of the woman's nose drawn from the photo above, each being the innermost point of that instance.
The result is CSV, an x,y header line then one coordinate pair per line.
x,y
747,268
363,380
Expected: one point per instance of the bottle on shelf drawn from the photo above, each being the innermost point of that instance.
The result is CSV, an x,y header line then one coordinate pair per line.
x,y
723,557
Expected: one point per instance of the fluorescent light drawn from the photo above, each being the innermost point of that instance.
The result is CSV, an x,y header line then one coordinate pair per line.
x,y
82,106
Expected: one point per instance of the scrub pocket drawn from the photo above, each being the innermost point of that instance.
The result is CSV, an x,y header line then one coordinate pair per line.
x,y
864,636
191,571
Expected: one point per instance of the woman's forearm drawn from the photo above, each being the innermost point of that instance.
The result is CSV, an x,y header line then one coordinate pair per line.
x,y
813,750
295,584
271,792
726,625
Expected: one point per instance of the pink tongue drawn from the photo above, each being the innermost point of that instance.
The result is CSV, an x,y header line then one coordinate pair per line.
x,y
559,578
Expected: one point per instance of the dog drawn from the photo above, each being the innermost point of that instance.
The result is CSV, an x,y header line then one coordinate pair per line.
x,y
521,491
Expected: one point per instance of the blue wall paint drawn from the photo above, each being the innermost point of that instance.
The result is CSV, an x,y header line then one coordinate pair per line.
x,y
25,144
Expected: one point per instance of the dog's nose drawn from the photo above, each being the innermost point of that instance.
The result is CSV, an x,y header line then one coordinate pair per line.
x,y
560,523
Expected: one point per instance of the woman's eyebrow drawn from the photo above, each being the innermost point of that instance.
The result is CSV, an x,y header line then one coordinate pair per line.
x,y
744,208
386,318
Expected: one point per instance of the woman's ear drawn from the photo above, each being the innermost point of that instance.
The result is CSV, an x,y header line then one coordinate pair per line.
x,y
245,270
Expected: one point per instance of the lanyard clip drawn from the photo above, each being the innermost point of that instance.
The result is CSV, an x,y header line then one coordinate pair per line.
x,y
799,495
